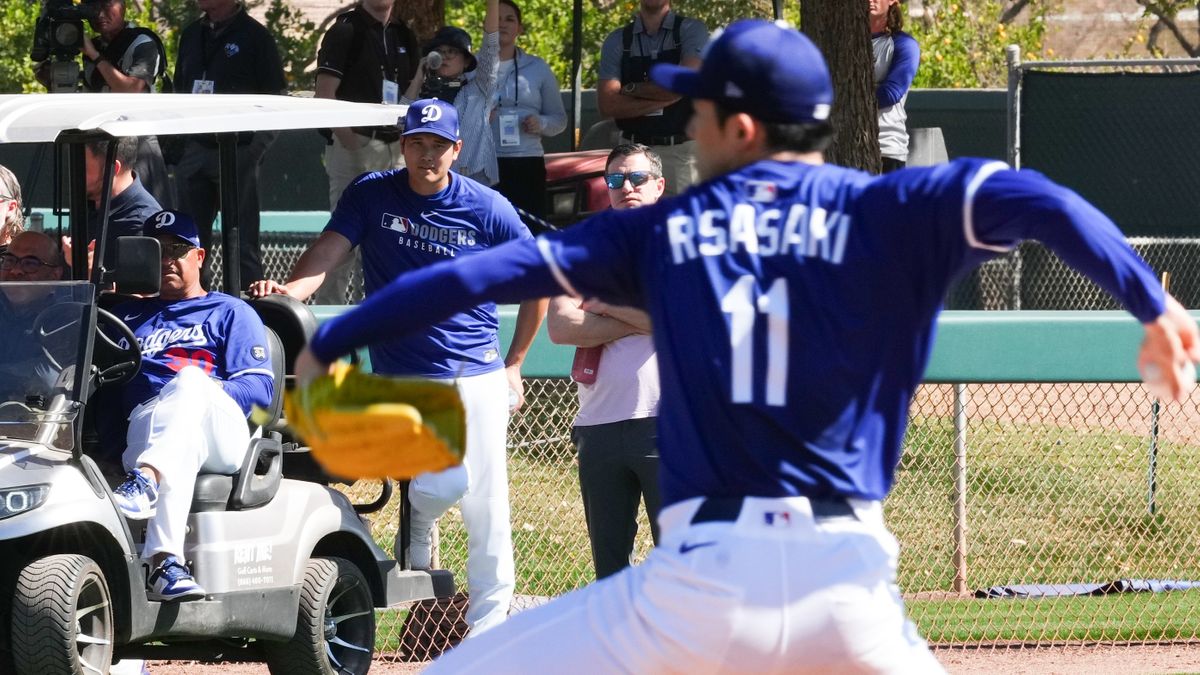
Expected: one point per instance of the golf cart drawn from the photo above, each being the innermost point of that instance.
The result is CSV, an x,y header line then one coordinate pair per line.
x,y
292,574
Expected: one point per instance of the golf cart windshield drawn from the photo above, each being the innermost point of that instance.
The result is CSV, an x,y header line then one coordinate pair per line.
x,y
42,324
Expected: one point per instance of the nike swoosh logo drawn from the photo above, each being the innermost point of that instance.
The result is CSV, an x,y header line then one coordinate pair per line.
x,y
427,215
131,317
688,548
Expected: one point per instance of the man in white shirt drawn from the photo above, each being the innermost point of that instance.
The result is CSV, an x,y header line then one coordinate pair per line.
x,y
617,376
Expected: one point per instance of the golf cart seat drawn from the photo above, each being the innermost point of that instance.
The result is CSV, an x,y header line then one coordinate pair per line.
x,y
258,479
289,325
291,320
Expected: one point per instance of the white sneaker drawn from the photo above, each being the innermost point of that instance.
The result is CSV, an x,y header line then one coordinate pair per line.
x,y
137,497
172,581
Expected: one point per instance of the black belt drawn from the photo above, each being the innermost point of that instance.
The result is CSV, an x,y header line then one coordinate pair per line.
x,y
385,134
655,140
727,509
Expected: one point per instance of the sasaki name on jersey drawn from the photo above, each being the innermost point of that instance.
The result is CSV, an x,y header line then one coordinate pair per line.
x,y
804,232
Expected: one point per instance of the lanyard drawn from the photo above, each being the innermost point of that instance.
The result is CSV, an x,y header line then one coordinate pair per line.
x,y
212,34
385,61
662,40
516,73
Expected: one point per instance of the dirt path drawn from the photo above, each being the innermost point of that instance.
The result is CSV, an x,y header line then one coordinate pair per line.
x,y
1073,660
1081,660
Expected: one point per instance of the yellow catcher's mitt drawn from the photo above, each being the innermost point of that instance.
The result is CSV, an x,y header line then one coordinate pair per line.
x,y
370,426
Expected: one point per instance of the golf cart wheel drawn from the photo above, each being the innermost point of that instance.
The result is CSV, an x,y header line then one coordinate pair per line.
x,y
335,627
62,620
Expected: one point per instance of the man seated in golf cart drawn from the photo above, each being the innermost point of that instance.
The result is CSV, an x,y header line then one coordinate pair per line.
x,y
205,362
26,372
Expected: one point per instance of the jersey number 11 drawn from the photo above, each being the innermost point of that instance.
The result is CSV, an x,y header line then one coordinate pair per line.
x,y
743,306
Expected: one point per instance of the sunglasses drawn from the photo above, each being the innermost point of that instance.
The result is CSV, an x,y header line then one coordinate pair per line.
x,y
615,181
175,251
29,264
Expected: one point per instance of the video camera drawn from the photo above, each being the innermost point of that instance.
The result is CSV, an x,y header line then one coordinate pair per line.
x,y
436,86
58,38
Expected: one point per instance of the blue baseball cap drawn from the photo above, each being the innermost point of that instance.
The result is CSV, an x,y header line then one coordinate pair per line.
x,y
432,116
769,70
176,223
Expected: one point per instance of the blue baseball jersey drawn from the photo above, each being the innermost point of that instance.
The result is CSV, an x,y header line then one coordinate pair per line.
x,y
794,306
217,333
397,231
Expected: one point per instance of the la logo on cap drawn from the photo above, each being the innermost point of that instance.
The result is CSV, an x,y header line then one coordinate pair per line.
x,y
431,113
164,219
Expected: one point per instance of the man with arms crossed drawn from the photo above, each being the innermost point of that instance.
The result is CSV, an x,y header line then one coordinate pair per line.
x,y
412,218
617,378
783,410
645,112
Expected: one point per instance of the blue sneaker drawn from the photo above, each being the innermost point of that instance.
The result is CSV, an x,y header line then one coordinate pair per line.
x,y
137,496
172,581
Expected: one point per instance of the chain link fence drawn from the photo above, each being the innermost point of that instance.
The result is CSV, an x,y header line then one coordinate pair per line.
x,y
1031,277
1028,278
1048,490
280,251
1003,490
1057,489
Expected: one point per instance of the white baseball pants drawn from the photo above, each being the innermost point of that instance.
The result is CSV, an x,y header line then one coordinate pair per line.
x,y
776,591
481,483
192,426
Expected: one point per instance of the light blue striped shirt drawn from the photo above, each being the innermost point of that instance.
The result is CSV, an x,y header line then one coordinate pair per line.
x,y
474,104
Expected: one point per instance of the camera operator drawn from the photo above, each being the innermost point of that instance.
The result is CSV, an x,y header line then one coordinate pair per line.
x,y
121,58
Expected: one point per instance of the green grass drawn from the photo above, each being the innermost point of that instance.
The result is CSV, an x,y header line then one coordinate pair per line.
x,y
1046,504
1114,618
550,543
388,628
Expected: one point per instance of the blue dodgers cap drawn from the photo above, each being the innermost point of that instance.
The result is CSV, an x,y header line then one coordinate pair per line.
x,y
176,223
431,116
769,70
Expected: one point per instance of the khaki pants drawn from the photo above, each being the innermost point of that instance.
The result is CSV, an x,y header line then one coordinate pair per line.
x,y
343,166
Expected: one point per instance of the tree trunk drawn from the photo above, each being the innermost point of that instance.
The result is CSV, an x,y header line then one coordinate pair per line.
x,y
839,29
425,16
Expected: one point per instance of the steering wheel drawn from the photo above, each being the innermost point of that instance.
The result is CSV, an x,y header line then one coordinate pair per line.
x,y
52,329
126,361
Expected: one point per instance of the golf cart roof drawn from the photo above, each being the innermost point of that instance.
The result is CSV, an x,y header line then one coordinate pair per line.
x,y
38,118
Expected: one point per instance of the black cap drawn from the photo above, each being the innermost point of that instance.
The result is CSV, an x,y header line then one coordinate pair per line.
x,y
452,36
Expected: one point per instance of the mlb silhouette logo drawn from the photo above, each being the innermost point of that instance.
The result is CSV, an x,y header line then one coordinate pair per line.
x,y
762,190
778,518
397,223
